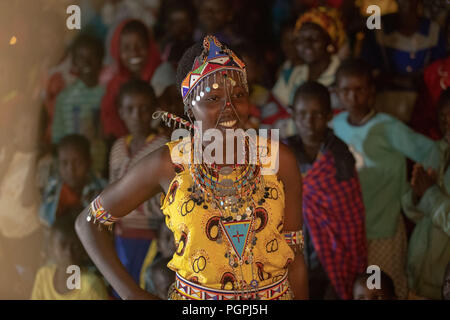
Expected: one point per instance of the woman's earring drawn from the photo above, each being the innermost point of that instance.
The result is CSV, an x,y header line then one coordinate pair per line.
x,y
189,114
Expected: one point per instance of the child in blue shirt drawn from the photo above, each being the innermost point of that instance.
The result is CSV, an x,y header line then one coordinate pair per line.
x,y
77,107
75,184
380,145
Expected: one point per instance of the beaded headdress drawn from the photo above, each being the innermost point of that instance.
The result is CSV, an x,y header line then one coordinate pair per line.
x,y
215,57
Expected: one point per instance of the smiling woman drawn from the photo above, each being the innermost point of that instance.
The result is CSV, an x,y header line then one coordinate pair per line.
x,y
234,238
319,38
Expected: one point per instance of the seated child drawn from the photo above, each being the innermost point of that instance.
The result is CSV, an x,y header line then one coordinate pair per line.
x,y
75,185
52,280
380,144
386,291
162,277
135,232
77,107
333,209
165,250
428,204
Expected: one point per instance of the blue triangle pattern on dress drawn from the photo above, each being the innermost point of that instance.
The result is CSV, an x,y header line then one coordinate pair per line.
x,y
237,235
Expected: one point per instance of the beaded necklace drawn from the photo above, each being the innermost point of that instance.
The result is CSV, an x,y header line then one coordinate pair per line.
x,y
214,186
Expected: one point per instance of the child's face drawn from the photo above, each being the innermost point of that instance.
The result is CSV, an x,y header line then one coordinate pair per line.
x,y
362,292
136,110
180,25
214,15
73,167
133,51
310,119
87,63
354,92
444,121
312,43
60,250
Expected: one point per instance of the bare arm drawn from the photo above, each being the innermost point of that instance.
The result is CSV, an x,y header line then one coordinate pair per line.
x,y
293,220
149,177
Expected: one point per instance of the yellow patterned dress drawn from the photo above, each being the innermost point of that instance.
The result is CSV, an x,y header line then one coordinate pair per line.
x,y
202,258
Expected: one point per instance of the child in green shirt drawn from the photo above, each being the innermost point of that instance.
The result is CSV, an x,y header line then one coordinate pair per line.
x,y
427,203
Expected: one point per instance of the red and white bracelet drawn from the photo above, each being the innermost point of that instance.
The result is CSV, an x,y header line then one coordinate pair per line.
x,y
99,214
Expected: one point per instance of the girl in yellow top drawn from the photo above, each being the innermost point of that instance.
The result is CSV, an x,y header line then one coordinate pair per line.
x,y
52,280
236,228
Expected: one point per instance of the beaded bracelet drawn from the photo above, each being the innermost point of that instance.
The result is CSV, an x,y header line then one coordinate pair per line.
x,y
294,239
99,214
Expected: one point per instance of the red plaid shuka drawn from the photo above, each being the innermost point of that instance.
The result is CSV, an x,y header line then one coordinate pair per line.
x,y
333,212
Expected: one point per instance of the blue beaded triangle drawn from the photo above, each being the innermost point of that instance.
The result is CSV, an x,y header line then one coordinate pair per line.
x,y
237,233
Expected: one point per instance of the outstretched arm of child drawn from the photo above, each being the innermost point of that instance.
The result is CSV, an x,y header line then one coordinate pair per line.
x,y
149,177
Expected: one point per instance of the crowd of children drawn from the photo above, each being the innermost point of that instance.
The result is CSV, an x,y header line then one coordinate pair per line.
x,y
366,112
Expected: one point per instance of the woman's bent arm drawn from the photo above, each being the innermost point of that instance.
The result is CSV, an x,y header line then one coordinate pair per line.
x,y
289,173
141,183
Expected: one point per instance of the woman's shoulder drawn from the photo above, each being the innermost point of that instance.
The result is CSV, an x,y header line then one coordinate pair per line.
x,y
159,161
179,151
281,161
286,155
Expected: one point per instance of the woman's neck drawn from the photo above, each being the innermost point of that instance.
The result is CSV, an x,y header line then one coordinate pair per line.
x,y
222,158
317,68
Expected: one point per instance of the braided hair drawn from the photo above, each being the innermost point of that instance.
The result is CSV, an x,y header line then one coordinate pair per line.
x,y
187,61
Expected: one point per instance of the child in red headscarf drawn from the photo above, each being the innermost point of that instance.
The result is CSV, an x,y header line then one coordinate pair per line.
x,y
137,56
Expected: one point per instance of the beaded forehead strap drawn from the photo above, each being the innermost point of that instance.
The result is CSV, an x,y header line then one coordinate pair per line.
x,y
215,57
